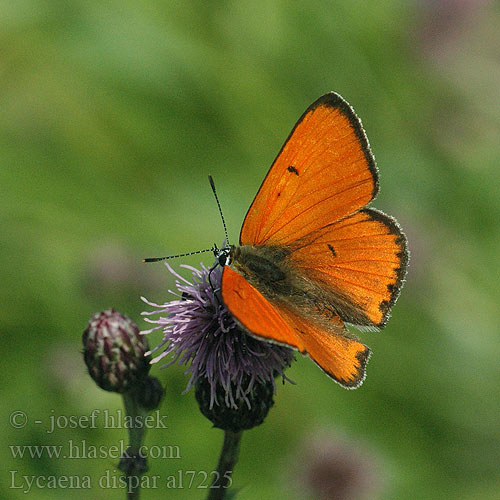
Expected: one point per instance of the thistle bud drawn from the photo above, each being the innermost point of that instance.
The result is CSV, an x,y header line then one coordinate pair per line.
x,y
113,351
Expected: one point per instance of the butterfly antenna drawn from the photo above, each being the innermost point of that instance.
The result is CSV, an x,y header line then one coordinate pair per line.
x,y
220,209
156,259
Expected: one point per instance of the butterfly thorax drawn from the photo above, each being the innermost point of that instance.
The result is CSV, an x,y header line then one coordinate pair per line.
x,y
263,267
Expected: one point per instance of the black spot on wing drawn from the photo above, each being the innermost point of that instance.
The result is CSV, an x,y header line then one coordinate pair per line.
x,y
332,250
385,307
293,170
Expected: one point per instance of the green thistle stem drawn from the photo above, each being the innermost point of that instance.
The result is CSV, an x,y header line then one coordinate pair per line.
x,y
227,461
135,433
134,468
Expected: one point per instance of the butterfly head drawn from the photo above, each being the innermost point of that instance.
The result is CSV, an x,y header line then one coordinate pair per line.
x,y
223,255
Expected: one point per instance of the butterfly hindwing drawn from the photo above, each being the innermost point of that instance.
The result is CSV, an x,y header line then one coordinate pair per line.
x,y
324,171
342,358
360,260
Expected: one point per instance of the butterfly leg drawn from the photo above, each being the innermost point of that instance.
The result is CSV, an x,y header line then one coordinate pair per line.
x,y
216,291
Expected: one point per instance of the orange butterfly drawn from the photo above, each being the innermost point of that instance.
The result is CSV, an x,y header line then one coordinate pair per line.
x,y
312,255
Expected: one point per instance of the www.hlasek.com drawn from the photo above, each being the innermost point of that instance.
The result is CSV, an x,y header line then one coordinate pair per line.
x,y
83,450
112,479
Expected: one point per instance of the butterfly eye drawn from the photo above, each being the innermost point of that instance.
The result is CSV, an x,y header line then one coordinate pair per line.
x,y
223,256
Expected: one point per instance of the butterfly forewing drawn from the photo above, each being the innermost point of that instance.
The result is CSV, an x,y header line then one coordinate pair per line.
x,y
324,171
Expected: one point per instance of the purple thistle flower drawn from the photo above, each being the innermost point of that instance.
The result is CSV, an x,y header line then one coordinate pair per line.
x,y
199,331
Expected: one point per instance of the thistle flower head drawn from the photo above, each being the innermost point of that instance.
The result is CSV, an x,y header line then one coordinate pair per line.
x,y
199,331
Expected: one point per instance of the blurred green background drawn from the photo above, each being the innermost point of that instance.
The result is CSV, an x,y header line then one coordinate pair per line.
x,y
111,116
